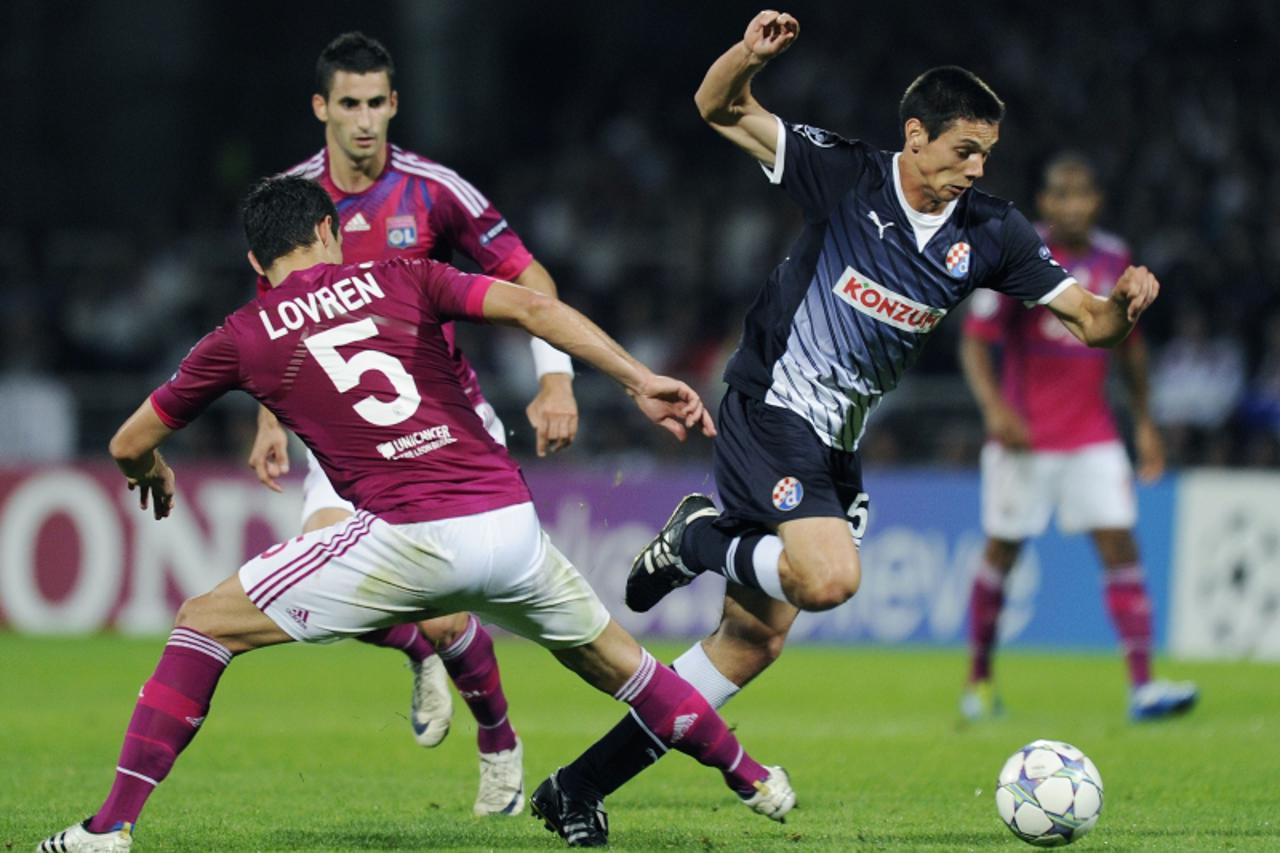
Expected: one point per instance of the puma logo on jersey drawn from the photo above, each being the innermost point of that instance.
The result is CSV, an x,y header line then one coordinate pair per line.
x,y
357,223
880,303
875,218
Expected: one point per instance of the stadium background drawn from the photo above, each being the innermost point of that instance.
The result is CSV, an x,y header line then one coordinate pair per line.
x,y
133,130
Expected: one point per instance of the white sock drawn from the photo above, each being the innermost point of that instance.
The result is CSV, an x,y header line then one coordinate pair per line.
x,y
765,560
696,668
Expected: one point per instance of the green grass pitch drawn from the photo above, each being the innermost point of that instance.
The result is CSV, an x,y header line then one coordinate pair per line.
x,y
309,749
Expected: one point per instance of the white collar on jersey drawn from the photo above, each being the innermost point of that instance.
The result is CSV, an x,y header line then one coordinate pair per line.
x,y
923,225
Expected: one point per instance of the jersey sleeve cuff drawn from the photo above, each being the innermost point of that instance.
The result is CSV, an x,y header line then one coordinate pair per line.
x,y
475,296
779,155
167,419
1052,294
510,267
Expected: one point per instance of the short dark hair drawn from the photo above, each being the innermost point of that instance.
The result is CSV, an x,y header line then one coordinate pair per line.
x,y
280,214
1071,160
354,53
945,94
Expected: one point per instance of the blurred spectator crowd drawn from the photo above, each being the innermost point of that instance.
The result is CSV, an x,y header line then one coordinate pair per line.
x,y
658,229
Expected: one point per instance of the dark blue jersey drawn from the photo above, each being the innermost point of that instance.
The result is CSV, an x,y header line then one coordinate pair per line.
x,y
869,279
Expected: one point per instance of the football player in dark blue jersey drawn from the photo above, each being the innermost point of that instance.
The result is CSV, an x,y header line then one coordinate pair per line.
x,y
892,242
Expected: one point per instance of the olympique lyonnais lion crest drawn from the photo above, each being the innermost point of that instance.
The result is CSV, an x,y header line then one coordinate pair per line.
x,y
958,260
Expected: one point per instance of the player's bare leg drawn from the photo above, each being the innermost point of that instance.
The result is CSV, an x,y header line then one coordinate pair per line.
x,y
208,631
671,713
1129,607
752,631
986,599
811,563
323,518
819,566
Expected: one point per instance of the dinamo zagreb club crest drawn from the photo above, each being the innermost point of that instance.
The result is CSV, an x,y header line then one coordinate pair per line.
x,y
787,494
958,260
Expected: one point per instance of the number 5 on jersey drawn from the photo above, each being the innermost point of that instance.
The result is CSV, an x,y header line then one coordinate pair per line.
x,y
858,513
346,373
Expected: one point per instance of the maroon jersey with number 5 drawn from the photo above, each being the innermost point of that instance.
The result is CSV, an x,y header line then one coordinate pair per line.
x,y
354,360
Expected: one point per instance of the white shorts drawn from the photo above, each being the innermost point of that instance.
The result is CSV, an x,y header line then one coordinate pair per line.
x,y
363,574
1090,488
318,493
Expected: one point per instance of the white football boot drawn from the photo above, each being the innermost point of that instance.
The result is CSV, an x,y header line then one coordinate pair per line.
x,y
501,782
432,708
773,797
78,839
1158,699
980,702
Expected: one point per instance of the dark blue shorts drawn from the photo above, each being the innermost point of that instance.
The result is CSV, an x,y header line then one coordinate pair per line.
x,y
770,467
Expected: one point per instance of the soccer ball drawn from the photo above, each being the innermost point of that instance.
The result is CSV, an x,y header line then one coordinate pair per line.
x,y
1049,793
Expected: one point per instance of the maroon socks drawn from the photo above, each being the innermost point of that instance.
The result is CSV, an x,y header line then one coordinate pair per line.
x,y
676,715
407,638
985,602
1125,591
474,669
171,706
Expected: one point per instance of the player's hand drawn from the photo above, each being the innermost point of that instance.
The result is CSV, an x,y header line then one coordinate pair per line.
x,y
770,33
269,457
156,488
674,406
1007,427
1150,450
553,414
1135,291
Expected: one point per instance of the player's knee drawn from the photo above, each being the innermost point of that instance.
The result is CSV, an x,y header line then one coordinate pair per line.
x,y
1116,548
1001,554
823,596
193,614
828,588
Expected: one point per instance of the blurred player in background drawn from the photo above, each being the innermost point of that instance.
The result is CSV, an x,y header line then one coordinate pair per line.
x,y
1053,445
397,204
892,242
445,522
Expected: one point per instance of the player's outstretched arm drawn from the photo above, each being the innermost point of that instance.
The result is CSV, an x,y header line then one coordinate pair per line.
x,y
1104,321
134,449
269,456
667,402
1002,422
553,413
724,99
